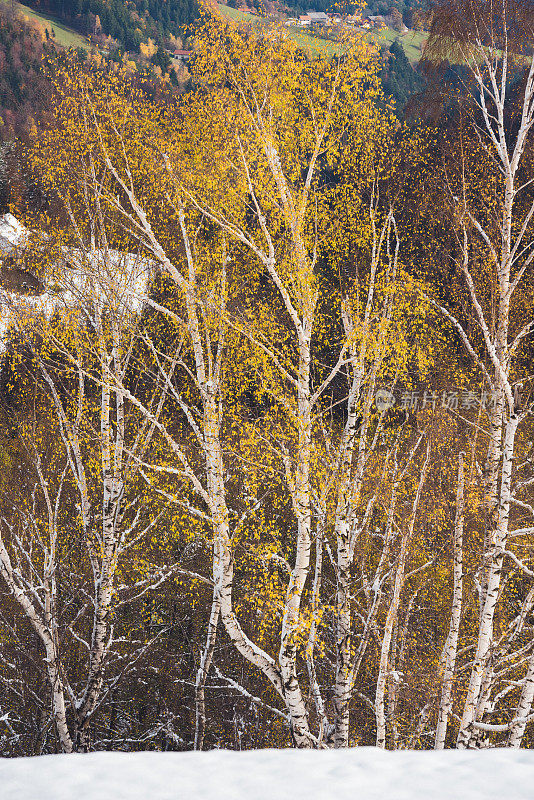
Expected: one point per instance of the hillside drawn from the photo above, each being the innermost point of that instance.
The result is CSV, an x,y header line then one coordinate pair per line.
x,y
129,23
61,33
412,42
22,85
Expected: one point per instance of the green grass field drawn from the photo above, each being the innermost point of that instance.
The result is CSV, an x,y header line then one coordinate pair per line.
x,y
310,43
233,13
64,36
411,42
313,44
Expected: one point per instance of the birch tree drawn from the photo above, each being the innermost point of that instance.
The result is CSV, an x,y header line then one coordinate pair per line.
x,y
240,226
494,236
94,472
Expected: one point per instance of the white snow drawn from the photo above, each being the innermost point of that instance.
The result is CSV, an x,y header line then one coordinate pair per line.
x,y
12,233
362,773
121,280
86,280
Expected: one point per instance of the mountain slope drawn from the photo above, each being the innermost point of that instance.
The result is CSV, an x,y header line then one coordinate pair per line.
x,y
130,22
62,34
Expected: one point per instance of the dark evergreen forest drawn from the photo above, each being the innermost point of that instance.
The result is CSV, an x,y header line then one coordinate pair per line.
x,y
130,23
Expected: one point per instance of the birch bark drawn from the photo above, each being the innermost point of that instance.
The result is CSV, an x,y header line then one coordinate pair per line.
x,y
391,618
448,658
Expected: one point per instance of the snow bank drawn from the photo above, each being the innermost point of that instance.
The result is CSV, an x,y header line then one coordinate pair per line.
x,y
358,774
12,233
86,280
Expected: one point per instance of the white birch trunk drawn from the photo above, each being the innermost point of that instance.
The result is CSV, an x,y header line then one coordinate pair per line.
x,y
391,618
451,645
524,707
202,674
47,635
471,710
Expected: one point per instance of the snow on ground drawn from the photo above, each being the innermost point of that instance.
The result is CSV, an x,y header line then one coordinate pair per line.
x,y
362,773
12,233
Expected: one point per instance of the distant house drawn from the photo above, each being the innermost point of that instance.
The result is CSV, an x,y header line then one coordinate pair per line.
x,y
304,19
318,18
182,55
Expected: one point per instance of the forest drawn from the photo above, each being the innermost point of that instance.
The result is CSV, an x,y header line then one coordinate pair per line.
x,y
130,23
266,397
